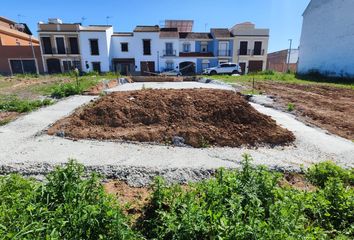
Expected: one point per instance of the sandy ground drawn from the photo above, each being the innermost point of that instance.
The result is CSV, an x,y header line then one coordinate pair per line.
x,y
25,148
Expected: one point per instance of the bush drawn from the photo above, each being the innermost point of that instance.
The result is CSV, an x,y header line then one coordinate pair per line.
x,y
291,107
246,204
14,104
67,206
66,89
320,173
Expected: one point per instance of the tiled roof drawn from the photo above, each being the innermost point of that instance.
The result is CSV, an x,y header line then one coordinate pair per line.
x,y
196,54
155,28
169,33
194,35
123,34
221,32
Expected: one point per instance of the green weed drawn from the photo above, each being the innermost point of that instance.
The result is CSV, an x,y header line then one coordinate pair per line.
x,y
15,104
290,107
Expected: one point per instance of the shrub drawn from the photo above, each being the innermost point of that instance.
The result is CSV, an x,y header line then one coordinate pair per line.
x,y
14,104
66,89
67,206
320,173
291,107
245,204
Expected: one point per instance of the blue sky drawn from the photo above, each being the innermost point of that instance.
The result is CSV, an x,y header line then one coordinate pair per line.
x,y
283,17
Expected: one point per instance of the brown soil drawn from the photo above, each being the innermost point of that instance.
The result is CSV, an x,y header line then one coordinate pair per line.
x,y
327,107
98,89
202,117
6,117
296,181
134,199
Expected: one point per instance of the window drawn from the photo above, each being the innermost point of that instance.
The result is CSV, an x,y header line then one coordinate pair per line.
x,y
94,47
46,45
96,66
257,48
67,66
204,47
169,49
60,45
23,66
243,48
205,64
124,47
169,66
186,47
74,46
147,46
224,65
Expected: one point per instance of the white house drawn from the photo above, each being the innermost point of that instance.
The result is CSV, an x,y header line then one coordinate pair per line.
x,y
95,42
327,39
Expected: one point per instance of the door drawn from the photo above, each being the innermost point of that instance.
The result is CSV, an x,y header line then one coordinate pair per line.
x,y
96,67
60,45
223,49
255,66
243,67
53,66
257,48
67,65
147,68
23,66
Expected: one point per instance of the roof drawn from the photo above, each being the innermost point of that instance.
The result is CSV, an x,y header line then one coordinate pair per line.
x,y
221,32
123,34
196,54
155,28
4,19
94,28
169,33
182,25
195,35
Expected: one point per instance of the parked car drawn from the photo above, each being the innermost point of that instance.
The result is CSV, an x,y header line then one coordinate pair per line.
x,y
172,73
225,68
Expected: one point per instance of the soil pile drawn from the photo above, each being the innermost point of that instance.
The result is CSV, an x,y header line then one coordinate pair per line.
x,y
201,117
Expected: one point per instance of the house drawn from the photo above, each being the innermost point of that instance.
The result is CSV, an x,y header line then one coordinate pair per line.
x,y
327,38
250,47
66,46
19,50
282,61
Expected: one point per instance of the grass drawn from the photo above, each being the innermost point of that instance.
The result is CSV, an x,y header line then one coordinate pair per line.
x,y
249,203
286,78
291,107
14,104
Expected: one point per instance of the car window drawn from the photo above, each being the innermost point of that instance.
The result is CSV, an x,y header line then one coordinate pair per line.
x,y
224,65
232,65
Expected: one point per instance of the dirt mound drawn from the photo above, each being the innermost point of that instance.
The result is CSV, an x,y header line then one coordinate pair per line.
x,y
201,117
98,89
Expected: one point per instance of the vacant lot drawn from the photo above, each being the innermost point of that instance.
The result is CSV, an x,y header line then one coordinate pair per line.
x,y
201,117
327,105
21,93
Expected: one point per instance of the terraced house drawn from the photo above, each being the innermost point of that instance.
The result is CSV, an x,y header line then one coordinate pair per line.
x,y
150,49
19,50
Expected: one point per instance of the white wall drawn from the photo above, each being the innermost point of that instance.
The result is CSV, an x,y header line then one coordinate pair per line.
x,y
327,39
104,39
182,41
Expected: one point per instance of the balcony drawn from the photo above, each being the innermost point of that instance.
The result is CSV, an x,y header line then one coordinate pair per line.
x,y
169,53
251,52
259,52
67,51
224,53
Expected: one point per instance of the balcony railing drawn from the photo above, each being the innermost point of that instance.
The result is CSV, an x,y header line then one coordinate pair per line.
x,y
259,52
169,52
224,53
251,52
67,51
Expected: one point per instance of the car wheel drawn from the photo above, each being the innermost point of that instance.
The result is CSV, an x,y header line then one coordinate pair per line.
x,y
235,72
213,72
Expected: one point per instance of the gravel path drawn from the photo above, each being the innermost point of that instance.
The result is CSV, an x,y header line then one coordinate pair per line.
x,y
26,149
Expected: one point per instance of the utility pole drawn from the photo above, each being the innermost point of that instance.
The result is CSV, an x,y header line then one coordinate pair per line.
x,y
107,19
289,53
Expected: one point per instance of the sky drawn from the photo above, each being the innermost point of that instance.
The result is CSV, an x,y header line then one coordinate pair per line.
x,y
282,17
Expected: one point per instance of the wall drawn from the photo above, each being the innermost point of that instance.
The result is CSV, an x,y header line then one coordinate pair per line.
x,y
327,38
104,39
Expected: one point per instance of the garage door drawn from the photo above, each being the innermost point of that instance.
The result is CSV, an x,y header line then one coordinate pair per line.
x,y
255,66
23,66
147,68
